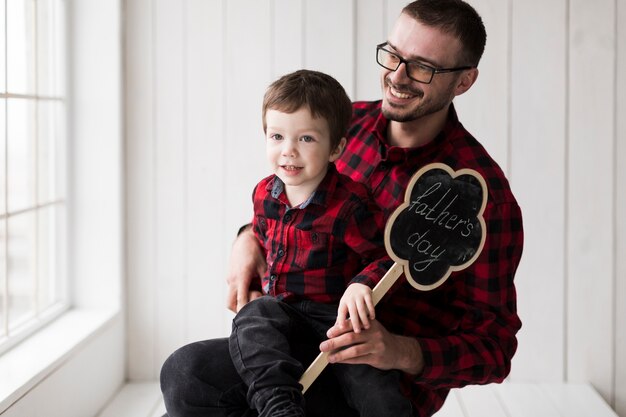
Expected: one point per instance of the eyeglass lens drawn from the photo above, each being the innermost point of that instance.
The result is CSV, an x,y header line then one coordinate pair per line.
x,y
414,70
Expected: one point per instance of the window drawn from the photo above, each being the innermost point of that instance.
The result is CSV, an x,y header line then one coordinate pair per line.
x,y
33,205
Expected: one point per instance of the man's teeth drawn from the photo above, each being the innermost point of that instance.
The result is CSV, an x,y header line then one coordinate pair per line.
x,y
398,94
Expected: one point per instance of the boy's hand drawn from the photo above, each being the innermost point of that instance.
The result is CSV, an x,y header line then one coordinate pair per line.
x,y
357,303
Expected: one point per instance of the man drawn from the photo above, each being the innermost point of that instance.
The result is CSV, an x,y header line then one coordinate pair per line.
x,y
461,333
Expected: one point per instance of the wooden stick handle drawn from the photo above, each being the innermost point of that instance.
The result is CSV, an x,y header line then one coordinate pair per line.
x,y
318,365
386,282
313,371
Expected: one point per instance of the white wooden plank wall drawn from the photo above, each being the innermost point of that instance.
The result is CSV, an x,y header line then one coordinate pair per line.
x,y
620,209
591,198
140,190
538,160
549,105
485,112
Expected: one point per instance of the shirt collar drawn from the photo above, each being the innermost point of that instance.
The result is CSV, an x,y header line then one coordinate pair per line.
x,y
396,154
319,196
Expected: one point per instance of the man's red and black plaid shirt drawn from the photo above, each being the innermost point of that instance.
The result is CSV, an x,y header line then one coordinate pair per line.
x,y
315,250
467,326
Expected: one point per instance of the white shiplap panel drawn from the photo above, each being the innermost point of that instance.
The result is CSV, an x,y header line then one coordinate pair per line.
x,y
205,257
329,39
287,36
393,10
95,174
590,199
170,134
483,110
370,31
620,209
140,190
247,75
538,161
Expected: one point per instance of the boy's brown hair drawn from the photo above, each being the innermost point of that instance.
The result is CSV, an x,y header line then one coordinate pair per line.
x,y
320,93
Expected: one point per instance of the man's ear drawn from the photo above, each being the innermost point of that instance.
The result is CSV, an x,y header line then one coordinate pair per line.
x,y
465,81
338,150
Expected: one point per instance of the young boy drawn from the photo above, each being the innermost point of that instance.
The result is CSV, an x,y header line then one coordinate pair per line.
x,y
323,241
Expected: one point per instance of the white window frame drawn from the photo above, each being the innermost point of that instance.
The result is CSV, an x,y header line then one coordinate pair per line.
x,y
80,357
41,314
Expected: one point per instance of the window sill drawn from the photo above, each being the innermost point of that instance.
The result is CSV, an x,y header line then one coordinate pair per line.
x,y
27,364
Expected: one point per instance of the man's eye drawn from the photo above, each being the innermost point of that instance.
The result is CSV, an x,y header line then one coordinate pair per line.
x,y
420,67
307,139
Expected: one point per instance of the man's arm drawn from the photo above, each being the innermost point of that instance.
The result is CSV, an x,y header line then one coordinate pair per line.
x,y
246,263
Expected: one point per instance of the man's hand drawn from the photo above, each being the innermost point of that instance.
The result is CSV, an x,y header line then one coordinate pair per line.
x,y
357,303
374,346
246,263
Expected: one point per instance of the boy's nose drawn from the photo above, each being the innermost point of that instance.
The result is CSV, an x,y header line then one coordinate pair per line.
x,y
289,149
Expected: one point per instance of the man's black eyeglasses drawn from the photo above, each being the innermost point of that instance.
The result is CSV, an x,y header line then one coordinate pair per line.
x,y
416,71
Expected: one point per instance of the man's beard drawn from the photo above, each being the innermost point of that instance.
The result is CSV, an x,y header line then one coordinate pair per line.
x,y
424,108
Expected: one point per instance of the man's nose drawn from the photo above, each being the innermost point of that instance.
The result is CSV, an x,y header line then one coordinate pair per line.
x,y
399,76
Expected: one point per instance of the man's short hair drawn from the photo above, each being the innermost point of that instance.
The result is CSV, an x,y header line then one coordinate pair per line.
x,y
457,18
320,93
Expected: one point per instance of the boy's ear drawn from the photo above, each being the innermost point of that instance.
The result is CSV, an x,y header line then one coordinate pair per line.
x,y
338,150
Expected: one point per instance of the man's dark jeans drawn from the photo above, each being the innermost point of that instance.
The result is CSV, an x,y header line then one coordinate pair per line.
x,y
199,380
270,343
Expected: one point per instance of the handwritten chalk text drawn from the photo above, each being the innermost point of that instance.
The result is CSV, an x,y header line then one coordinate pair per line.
x,y
425,247
442,217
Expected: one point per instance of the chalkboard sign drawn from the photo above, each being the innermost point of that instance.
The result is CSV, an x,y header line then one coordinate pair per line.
x,y
438,229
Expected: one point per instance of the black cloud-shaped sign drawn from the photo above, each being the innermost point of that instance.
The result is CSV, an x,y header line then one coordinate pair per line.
x,y
439,228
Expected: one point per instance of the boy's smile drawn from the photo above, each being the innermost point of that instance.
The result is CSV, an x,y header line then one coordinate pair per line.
x,y
291,170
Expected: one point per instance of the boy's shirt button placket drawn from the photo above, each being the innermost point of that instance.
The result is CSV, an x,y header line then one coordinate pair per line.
x,y
272,284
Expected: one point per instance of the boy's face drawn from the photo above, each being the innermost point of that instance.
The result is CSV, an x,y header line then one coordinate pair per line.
x,y
298,148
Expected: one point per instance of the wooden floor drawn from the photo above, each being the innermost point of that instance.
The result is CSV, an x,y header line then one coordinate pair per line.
x,y
505,400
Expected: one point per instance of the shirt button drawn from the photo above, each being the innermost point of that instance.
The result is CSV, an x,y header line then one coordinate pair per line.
x,y
382,167
287,217
273,277
281,253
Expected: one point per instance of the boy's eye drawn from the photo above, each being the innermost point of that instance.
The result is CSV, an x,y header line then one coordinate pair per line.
x,y
307,139
276,136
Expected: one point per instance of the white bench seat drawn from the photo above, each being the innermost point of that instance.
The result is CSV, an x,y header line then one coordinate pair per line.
x,y
503,400
526,400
